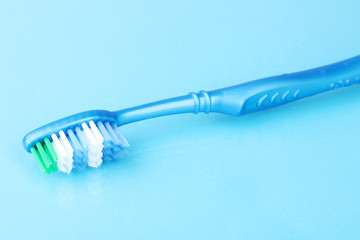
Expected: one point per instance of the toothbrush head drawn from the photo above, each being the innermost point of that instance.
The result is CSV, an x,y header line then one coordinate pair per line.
x,y
77,141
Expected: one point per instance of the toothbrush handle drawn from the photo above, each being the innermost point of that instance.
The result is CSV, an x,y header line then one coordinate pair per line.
x,y
274,91
251,96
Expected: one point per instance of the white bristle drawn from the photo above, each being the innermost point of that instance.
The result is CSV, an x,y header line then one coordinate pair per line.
x,y
65,142
61,150
95,147
89,134
96,132
65,161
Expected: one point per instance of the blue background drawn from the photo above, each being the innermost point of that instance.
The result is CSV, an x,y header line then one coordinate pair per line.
x,y
287,173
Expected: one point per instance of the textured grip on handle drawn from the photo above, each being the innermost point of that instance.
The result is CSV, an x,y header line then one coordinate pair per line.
x,y
202,102
274,91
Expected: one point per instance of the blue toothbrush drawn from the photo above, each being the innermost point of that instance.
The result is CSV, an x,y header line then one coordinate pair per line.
x,y
89,138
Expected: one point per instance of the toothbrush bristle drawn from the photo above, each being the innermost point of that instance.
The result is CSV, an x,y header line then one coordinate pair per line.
x,y
86,145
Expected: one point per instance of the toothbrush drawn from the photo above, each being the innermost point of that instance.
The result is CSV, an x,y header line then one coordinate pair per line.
x,y
89,138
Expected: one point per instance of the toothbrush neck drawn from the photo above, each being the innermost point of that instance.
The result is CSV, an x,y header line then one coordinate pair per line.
x,y
191,103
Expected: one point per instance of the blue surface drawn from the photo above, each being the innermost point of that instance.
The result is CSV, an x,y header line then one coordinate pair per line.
x,y
286,173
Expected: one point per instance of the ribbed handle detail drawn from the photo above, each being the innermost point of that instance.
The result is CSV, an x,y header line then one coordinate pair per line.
x,y
202,102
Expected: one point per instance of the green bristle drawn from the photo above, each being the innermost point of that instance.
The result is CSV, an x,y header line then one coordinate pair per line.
x,y
43,155
50,151
52,167
39,160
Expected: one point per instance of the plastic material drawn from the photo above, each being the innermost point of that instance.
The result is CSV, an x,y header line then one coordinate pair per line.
x,y
252,96
237,100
